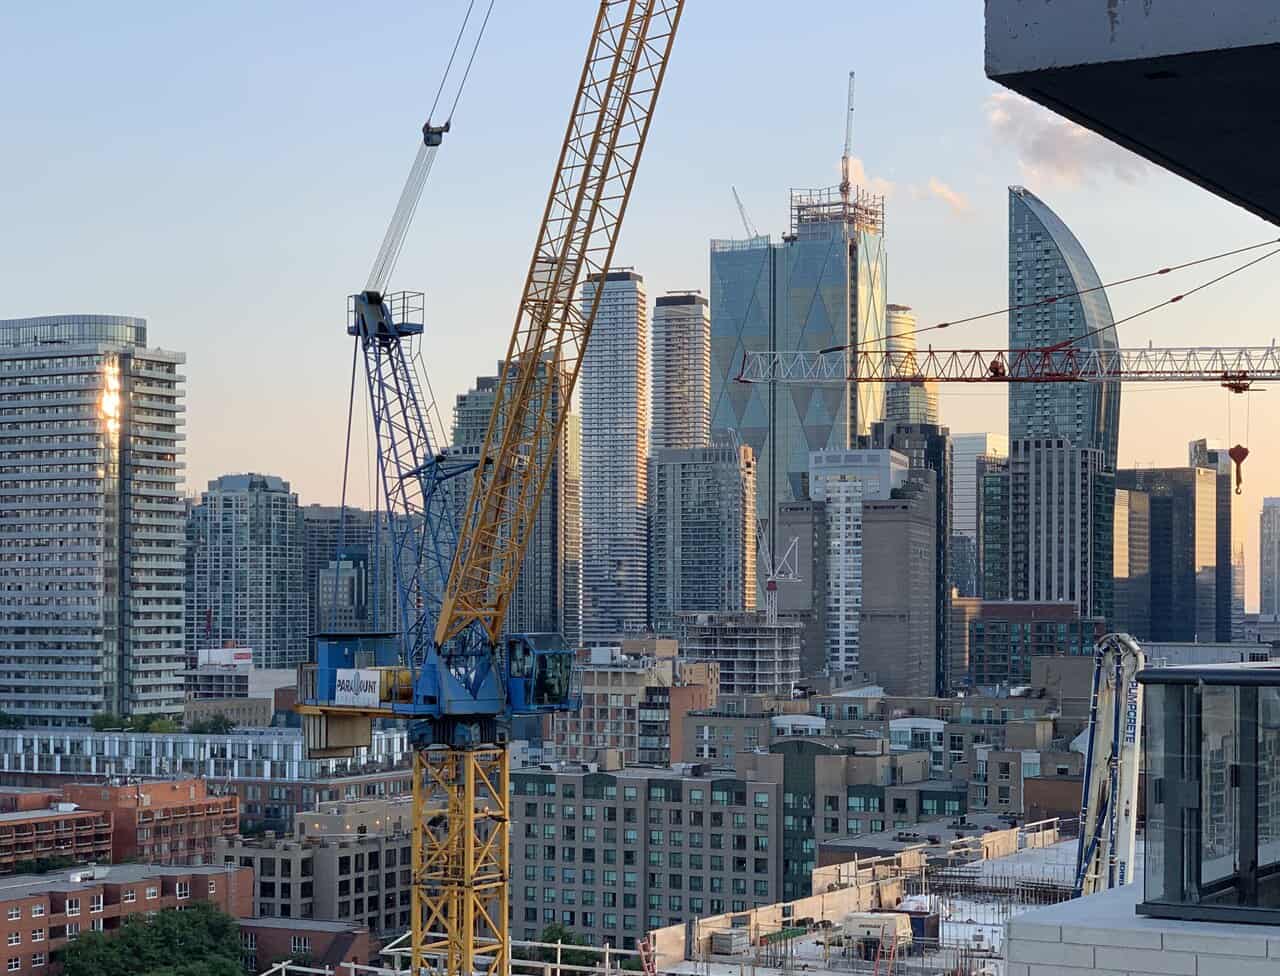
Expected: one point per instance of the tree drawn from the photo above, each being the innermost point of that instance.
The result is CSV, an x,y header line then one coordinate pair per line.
x,y
569,956
106,720
213,725
196,942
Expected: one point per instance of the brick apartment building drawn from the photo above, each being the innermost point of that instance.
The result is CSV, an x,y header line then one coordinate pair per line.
x,y
173,822
60,831
40,913
264,941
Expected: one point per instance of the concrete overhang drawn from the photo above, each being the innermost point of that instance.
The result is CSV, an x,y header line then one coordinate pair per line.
x,y
1191,85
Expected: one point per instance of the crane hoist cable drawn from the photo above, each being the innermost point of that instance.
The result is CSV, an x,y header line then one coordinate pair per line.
x,y
1063,296
432,135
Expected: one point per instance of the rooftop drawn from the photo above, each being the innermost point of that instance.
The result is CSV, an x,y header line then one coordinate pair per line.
x,y
301,924
28,885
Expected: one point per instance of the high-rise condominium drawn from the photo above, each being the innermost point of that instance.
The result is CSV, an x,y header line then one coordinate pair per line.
x,y
548,596
843,480
1056,296
822,285
91,520
702,540
906,403
1207,454
347,566
1269,558
1184,546
966,449
1131,605
615,452
681,371
1237,591
1061,505
1046,261
246,570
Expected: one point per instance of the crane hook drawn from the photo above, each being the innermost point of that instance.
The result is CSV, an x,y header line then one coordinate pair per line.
x,y
1238,454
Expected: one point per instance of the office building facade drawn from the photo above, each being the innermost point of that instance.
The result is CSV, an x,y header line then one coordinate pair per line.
x,y
702,539
1184,546
548,594
897,630
966,449
1207,454
842,481
994,571
92,448
804,600
348,571
681,371
615,451
928,446
611,855
822,285
1269,558
1131,607
1046,261
246,584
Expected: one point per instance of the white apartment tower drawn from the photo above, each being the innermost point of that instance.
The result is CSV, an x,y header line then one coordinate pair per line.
x,y
91,520
842,480
246,570
1269,552
681,371
615,451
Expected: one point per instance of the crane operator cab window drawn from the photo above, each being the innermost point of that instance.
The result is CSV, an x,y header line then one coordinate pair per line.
x,y
540,671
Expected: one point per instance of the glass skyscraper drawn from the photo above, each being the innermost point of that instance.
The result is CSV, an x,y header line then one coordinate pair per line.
x,y
1045,261
822,285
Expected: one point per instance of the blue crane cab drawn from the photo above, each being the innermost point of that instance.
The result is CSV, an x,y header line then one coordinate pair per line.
x,y
540,675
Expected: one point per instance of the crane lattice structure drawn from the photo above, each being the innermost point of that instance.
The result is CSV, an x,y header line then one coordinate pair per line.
x,y
450,670
1235,368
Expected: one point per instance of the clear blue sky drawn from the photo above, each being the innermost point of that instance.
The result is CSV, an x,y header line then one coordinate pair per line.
x,y
227,171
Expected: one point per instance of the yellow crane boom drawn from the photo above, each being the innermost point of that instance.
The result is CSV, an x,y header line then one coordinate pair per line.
x,y
608,127
461,842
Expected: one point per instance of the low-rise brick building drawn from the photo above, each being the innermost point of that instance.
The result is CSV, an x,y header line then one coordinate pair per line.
x,y
173,822
39,914
311,942
61,831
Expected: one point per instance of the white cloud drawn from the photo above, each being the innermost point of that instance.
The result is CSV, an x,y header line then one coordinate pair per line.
x,y
872,184
1052,150
957,201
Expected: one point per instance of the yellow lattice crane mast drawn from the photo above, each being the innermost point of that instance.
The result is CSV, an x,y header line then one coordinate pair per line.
x,y
461,865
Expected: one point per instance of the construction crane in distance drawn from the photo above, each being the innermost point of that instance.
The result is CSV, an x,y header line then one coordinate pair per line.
x,y
451,671
747,225
1109,797
1237,369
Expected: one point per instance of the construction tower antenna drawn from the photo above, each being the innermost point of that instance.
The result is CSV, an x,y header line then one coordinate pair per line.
x,y
747,225
846,160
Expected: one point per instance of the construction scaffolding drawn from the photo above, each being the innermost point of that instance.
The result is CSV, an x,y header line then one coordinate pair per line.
x,y
813,211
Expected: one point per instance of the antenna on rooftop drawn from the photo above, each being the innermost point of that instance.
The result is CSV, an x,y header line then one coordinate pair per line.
x,y
845,182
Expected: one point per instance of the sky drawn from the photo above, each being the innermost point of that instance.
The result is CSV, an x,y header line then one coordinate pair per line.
x,y
227,171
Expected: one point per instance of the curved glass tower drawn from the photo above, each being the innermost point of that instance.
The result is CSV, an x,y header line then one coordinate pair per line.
x,y
1046,260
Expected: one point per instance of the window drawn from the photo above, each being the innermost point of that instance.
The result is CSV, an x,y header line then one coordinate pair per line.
x,y
15,938
73,907
300,944
73,930
15,913
15,963
152,892
761,799
37,960
213,886
96,924
37,911
95,903
129,895
37,935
